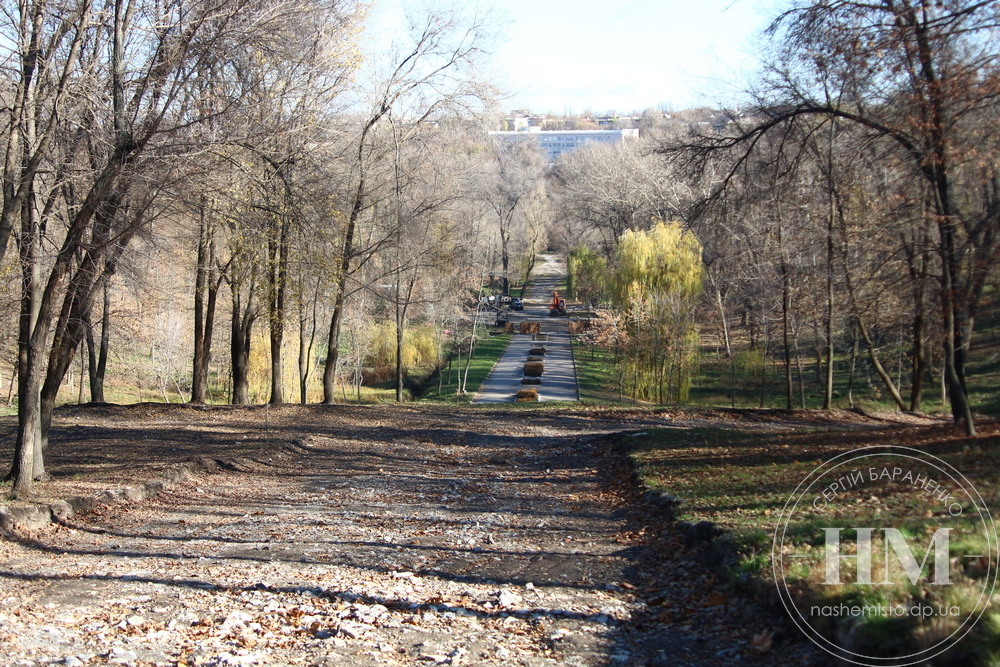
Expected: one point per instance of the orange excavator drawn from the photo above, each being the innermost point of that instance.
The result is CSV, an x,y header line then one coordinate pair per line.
x,y
557,306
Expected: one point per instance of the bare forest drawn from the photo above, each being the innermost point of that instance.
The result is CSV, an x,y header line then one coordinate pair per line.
x,y
232,202
847,214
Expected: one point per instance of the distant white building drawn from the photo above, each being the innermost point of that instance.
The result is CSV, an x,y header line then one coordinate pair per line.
x,y
555,144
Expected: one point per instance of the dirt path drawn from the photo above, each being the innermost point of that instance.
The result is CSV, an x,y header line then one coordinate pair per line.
x,y
378,536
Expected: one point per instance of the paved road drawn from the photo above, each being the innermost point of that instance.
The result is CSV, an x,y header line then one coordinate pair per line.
x,y
559,379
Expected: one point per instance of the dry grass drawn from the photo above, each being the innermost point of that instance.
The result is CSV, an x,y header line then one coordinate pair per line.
x,y
527,395
534,368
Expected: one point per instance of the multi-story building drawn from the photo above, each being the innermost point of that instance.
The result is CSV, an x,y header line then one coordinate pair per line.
x,y
556,144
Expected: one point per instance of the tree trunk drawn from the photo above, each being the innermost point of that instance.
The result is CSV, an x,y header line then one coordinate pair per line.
x,y
789,385
830,227
800,371
10,386
873,356
207,282
725,323
79,396
28,375
241,331
936,167
919,356
916,249
954,342
763,362
505,264
305,349
786,302
400,332
277,283
854,362
472,349
199,375
346,255
332,350
99,367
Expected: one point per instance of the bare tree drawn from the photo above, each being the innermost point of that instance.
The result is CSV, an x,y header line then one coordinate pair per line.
x,y
516,179
432,75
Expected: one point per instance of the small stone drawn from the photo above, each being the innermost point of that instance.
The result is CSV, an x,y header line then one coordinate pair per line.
x,y
507,599
559,634
120,656
351,630
239,660
135,620
72,661
236,619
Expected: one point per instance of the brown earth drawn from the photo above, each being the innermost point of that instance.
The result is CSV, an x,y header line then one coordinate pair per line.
x,y
370,536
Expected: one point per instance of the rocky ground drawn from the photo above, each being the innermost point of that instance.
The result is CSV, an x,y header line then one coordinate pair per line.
x,y
367,536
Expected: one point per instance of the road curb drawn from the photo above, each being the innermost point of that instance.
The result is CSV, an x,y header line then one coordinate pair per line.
x,y
37,515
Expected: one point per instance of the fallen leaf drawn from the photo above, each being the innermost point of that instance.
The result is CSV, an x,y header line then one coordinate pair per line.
x,y
761,642
716,600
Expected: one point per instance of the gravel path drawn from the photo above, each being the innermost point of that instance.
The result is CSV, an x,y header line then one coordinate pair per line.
x,y
383,536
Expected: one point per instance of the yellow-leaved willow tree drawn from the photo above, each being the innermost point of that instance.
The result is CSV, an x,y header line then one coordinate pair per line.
x,y
656,286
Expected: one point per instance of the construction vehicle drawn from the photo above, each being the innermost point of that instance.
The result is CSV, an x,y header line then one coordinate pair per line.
x,y
558,305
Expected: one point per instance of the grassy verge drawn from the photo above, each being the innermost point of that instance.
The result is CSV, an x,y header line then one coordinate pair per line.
x,y
488,350
596,374
762,385
750,380
740,480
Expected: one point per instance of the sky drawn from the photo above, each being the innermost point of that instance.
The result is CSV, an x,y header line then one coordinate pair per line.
x,y
570,56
